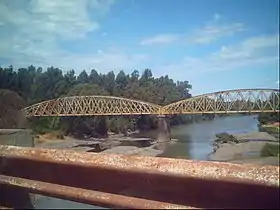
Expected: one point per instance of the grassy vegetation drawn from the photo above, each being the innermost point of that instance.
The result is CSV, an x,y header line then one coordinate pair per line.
x,y
270,150
225,138
271,129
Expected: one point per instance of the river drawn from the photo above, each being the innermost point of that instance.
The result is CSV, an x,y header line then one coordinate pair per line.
x,y
195,142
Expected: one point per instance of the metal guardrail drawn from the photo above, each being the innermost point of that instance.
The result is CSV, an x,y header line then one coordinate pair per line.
x,y
121,181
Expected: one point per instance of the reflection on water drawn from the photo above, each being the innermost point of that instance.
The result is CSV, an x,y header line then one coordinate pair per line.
x,y
195,140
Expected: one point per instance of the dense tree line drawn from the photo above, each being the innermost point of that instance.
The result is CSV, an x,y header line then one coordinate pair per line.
x,y
36,85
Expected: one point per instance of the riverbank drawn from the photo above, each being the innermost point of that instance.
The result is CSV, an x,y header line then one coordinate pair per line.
x,y
114,144
247,149
195,142
271,128
192,142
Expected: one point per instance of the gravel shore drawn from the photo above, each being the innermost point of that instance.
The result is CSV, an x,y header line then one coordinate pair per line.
x,y
114,144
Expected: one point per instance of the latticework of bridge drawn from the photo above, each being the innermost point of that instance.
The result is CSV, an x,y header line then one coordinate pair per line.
x,y
91,105
231,101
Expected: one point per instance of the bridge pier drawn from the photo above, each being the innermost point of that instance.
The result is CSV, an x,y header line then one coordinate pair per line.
x,y
164,133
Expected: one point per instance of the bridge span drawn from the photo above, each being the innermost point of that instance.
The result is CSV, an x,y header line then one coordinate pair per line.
x,y
230,101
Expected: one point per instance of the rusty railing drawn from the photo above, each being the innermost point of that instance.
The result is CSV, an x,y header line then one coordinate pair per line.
x,y
120,181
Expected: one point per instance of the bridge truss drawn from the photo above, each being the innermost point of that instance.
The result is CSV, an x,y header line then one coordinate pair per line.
x,y
231,101
91,105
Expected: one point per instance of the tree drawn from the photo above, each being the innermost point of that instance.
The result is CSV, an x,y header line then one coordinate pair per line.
x,y
35,84
94,77
83,77
147,74
25,80
70,79
87,89
91,126
10,105
108,82
134,76
121,79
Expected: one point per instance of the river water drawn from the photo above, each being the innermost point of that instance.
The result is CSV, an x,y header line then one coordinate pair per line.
x,y
195,142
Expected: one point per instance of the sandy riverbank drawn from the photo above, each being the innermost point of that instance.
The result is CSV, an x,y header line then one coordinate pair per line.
x,y
114,144
247,152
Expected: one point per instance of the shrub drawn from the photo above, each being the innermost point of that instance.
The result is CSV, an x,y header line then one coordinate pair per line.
x,y
225,138
269,150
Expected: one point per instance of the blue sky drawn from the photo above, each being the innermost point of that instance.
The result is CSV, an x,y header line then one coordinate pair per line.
x,y
214,44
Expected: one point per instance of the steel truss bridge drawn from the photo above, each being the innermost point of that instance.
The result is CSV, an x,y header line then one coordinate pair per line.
x,y
150,182
230,101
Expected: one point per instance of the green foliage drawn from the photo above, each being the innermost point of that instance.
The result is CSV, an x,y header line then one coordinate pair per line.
x,y
120,124
273,130
225,138
36,85
270,129
45,124
87,89
265,118
10,104
270,150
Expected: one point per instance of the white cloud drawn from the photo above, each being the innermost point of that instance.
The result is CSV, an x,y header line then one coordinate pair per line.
x,y
253,51
160,39
102,60
31,32
249,48
209,33
40,18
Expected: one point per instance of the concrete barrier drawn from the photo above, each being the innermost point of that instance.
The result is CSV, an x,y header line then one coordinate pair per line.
x,y
17,137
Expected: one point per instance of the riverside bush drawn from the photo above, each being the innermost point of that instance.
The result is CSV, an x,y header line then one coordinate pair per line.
x,y
269,150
